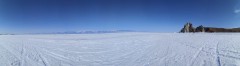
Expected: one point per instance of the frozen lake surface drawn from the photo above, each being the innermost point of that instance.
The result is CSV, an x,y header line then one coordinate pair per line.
x,y
121,49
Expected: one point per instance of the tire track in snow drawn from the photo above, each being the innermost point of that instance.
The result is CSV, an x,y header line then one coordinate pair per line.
x,y
31,56
15,62
217,55
196,56
223,50
16,56
222,55
230,51
22,54
44,61
58,56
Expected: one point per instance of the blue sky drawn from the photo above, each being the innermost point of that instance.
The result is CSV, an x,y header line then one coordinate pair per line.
x,y
139,15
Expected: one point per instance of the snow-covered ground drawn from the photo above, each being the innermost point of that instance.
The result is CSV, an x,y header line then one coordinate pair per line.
x,y
121,49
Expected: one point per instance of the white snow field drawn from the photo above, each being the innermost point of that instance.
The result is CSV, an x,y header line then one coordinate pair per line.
x,y
121,49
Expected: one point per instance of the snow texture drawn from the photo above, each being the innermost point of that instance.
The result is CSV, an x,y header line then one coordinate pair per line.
x,y
121,49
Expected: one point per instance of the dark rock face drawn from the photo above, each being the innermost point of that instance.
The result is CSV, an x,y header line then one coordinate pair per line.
x,y
200,29
188,28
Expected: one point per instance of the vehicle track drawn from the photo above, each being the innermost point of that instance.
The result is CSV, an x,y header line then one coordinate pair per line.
x,y
217,55
196,55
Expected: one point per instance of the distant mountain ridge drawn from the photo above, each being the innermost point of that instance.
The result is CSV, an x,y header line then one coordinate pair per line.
x,y
84,32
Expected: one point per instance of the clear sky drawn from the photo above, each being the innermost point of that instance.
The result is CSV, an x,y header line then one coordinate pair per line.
x,y
139,15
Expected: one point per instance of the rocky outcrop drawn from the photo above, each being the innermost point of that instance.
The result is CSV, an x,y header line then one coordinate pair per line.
x,y
189,28
200,29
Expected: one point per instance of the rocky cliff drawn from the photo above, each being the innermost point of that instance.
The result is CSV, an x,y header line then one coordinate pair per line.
x,y
188,28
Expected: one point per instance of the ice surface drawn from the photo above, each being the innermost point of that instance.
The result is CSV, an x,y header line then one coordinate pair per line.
x,y
121,49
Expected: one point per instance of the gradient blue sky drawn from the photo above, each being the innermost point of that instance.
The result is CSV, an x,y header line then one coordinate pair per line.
x,y
140,15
